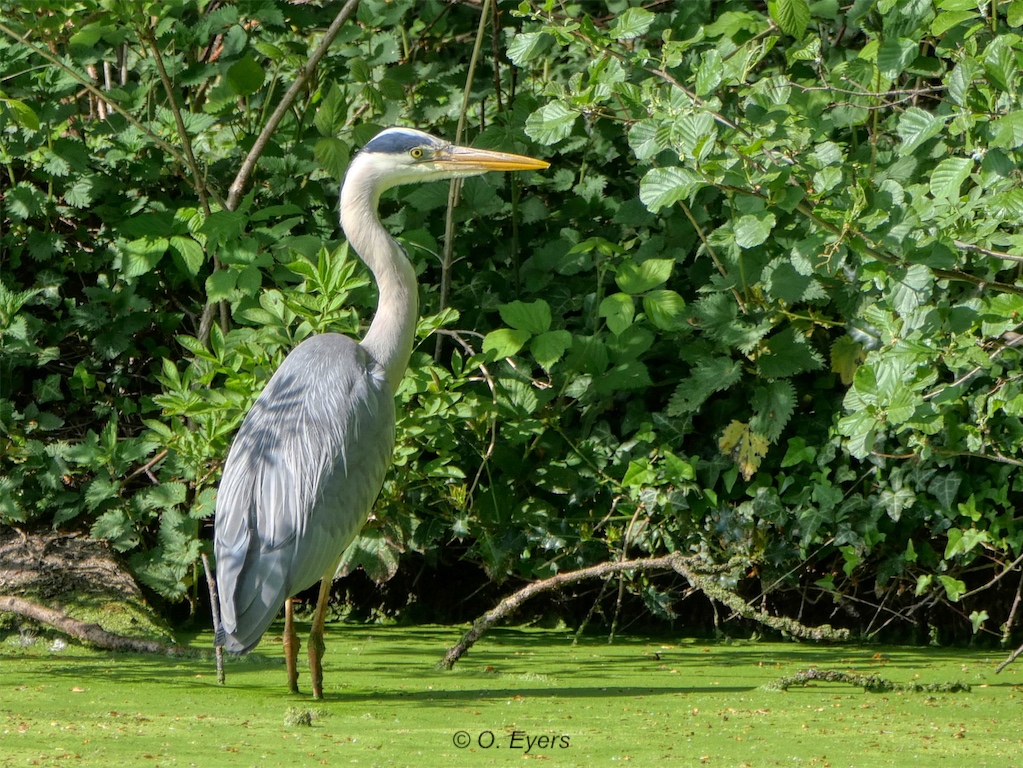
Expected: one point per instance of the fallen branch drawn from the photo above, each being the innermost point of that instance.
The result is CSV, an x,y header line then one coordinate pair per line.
x,y
696,571
869,683
93,634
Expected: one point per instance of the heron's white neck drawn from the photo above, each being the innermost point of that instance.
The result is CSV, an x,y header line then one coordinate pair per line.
x,y
392,332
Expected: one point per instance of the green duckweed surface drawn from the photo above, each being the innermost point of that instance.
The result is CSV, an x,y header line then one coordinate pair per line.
x,y
520,695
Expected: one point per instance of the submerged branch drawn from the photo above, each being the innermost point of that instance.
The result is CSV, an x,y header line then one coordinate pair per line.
x,y
869,683
696,571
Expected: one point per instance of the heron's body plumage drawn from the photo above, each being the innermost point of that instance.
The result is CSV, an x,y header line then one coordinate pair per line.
x,y
300,480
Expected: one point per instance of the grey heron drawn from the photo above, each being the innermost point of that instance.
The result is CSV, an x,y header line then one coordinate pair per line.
x,y
310,456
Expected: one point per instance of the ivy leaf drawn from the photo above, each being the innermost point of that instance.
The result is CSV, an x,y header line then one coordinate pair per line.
x,y
954,588
533,317
792,16
944,488
551,123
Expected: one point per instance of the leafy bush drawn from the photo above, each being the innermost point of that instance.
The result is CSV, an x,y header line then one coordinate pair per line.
x,y
764,302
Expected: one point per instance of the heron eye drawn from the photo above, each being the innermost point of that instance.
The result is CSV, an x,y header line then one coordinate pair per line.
x,y
416,153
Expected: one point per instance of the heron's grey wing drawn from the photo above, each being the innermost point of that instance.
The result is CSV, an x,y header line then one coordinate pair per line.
x,y
300,480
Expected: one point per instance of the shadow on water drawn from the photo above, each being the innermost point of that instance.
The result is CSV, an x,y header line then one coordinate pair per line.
x,y
397,664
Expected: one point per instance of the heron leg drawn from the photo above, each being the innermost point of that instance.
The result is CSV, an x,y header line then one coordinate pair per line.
x,y
291,644
316,644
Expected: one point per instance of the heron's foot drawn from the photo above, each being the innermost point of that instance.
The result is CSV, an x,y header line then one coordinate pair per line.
x,y
316,649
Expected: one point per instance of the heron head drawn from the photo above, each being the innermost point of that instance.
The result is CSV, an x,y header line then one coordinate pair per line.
x,y
405,156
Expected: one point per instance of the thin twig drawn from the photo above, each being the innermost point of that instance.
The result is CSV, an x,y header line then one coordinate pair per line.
x,y
455,187
249,164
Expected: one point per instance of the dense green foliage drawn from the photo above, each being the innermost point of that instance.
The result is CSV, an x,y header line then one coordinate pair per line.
x,y
764,302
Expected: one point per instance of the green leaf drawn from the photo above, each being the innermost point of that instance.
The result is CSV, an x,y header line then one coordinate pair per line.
x,y
551,123
631,24
663,187
548,348
954,588
332,154
708,376
798,453
220,285
533,317
22,113
619,310
977,619
245,76
372,552
634,278
190,252
142,255
773,406
913,290
944,488
1009,130
505,342
332,115
895,55
943,22
753,229
917,126
786,354
665,309
792,16
526,46
948,176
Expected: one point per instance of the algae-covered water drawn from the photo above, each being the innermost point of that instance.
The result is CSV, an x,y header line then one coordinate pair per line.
x,y
520,695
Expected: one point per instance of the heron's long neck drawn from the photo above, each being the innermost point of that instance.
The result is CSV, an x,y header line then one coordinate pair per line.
x,y
392,332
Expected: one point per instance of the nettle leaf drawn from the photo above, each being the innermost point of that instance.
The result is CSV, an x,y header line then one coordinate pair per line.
x,y
792,16
774,405
618,310
948,176
551,123
753,229
505,342
719,316
634,278
663,187
786,354
534,317
548,348
372,552
708,376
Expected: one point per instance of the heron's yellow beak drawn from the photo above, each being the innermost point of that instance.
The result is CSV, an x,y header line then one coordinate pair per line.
x,y
467,159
